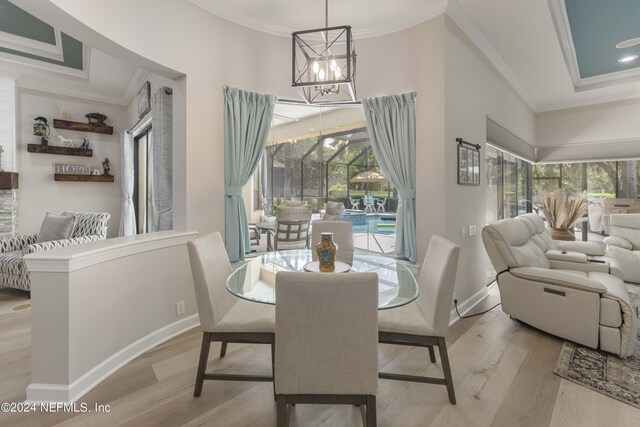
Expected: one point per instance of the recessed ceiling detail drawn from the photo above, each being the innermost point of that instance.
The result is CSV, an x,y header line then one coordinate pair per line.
x,y
598,40
26,39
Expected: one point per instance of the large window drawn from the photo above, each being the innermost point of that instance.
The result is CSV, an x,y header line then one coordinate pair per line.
x,y
142,194
508,185
320,154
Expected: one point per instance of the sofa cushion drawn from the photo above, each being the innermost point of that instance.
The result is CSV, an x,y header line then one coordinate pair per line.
x,y
626,226
56,227
89,223
11,263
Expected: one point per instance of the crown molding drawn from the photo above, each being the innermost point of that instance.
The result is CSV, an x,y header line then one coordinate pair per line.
x,y
430,10
34,47
460,17
60,70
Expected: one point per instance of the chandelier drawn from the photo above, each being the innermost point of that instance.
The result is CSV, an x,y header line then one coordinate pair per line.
x,y
324,63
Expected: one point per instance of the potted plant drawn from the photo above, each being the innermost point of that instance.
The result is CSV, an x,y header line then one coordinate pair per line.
x,y
562,211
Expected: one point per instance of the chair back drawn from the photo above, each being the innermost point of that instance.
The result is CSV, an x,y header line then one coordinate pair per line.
x,y
368,199
327,333
437,279
210,267
292,227
89,223
626,226
342,236
333,211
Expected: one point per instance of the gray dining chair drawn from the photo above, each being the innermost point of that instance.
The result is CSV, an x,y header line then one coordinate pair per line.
x,y
326,347
223,317
342,236
425,322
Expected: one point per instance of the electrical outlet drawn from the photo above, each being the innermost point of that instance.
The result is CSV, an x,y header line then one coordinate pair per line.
x,y
179,308
472,230
463,232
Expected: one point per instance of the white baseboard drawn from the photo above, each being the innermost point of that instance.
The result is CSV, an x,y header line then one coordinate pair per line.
x,y
467,305
37,393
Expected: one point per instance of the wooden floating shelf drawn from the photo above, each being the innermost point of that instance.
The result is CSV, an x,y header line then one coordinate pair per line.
x,y
83,127
65,151
8,180
85,178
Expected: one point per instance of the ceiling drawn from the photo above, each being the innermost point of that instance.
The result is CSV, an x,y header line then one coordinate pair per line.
x,y
531,42
41,57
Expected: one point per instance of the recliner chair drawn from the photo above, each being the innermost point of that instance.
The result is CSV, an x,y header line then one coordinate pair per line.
x,y
589,307
623,244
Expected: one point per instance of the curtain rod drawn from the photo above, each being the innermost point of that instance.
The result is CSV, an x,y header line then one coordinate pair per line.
x,y
461,141
328,104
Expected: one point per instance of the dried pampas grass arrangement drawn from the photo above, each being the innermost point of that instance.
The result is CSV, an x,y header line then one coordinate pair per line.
x,y
561,210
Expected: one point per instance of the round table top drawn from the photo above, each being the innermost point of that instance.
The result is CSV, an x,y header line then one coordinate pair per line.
x,y
255,280
267,225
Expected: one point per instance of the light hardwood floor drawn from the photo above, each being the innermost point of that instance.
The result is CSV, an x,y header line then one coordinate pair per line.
x,y
502,369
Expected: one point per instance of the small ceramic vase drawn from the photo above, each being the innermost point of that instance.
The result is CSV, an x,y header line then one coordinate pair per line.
x,y
326,251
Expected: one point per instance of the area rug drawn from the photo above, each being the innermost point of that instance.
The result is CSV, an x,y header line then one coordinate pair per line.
x,y
604,372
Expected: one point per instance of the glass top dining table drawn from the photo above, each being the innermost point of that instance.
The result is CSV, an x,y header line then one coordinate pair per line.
x,y
255,280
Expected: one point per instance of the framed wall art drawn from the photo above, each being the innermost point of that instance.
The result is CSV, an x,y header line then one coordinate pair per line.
x,y
468,163
143,99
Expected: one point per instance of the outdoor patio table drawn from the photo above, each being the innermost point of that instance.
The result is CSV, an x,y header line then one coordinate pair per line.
x,y
255,280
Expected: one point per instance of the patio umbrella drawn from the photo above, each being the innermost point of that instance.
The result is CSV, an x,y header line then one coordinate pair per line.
x,y
369,176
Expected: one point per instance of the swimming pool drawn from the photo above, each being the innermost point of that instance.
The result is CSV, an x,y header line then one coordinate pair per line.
x,y
372,223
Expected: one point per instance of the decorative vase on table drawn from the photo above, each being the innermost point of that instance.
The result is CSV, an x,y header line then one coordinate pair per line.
x,y
562,234
326,250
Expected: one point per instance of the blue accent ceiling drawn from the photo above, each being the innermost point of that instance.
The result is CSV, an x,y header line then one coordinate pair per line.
x,y
14,20
596,27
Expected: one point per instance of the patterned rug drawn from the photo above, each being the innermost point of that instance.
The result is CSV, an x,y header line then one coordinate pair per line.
x,y
604,372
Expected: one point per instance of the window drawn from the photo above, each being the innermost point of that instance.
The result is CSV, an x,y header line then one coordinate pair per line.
x,y
142,194
319,154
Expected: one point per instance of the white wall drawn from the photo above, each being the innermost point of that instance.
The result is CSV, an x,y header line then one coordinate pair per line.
x,y
596,132
39,193
8,123
474,90
155,82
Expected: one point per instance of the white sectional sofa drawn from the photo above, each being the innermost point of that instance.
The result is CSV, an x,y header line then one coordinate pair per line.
x,y
566,297
623,244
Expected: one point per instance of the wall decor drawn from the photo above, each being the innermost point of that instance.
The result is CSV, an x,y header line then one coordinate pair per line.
x,y
468,163
144,99
71,169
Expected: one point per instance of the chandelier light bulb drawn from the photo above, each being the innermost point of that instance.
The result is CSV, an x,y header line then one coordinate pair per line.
x,y
321,74
337,74
315,67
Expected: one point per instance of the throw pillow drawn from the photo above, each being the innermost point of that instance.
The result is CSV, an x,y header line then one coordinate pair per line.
x,y
56,227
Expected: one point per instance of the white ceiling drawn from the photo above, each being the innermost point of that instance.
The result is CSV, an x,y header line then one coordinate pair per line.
x,y
518,36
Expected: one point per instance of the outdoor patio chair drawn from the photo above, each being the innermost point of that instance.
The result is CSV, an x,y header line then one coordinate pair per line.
x,y
380,204
292,228
369,204
355,203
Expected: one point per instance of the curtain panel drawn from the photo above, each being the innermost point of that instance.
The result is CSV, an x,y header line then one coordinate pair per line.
x,y
128,214
391,122
161,159
247,120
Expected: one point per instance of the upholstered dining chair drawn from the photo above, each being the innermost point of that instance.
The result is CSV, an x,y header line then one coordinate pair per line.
x,y
223,317
326,347
425,322
342,236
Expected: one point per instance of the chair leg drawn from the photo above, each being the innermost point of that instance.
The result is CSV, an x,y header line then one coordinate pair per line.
x,y
223,349
432,354
273,367
202,365
446,369
281,411
371,411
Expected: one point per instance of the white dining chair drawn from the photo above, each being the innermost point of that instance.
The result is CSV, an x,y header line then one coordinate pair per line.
x,y
223,317
326,346
342,236
425,322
